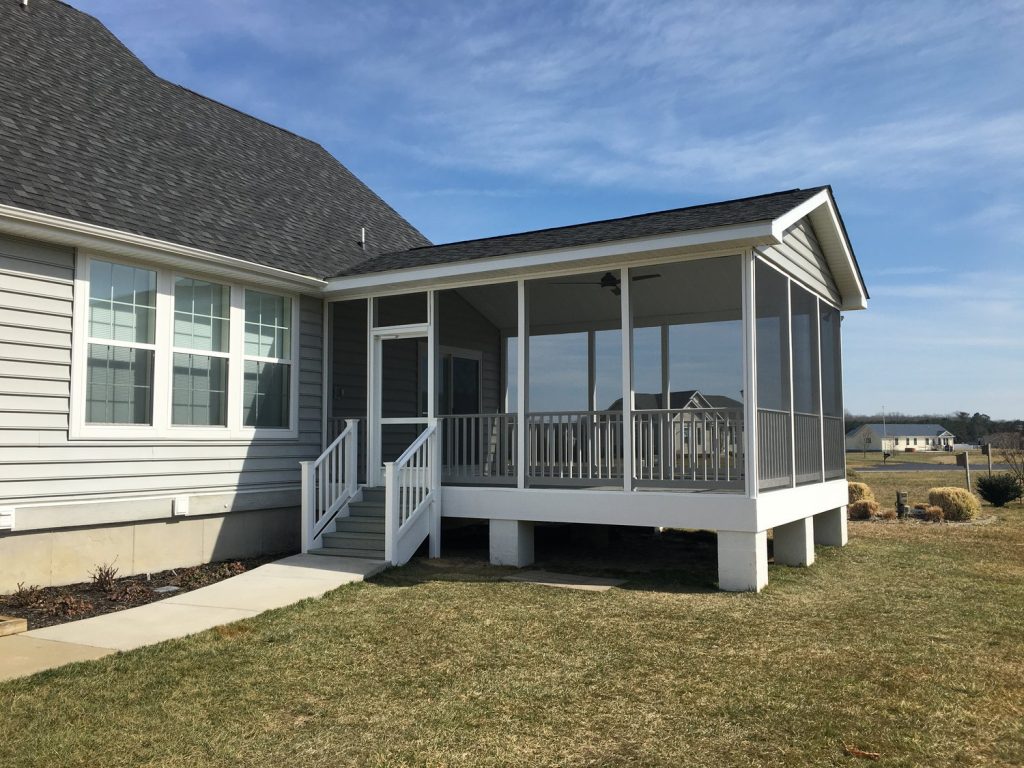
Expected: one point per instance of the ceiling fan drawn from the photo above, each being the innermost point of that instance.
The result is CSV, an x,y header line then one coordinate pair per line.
x,y
609,280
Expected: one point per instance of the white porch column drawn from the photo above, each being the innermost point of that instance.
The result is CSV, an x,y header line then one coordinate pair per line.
x,y
373,452
830,528
522,383
626,308
592,370
511,542
433,341
433,344
794,542
666,381
750,460
742,561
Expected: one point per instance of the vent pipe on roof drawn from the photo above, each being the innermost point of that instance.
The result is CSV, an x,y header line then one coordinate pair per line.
x,y
362,238
24,3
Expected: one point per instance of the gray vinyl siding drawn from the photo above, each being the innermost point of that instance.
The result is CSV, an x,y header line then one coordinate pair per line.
x,y
800,256
39,464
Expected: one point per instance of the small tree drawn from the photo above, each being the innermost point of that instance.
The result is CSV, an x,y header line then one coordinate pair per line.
x,y
999,489
1009,448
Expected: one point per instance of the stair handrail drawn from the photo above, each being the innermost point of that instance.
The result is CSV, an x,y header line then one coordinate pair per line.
x,y
412,485
329,483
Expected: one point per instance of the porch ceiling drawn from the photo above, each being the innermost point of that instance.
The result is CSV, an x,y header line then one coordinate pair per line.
x,y
692,291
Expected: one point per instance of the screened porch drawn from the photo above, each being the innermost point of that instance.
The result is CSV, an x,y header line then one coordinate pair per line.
x,y
629,379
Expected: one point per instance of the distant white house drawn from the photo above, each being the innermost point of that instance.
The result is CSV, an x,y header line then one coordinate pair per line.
x,y
899,437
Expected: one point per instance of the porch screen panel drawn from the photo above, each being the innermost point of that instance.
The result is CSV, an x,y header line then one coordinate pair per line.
x,y
832,392
774,435
806,395
348,348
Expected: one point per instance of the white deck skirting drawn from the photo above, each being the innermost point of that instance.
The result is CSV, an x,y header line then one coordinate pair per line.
x,y
671,509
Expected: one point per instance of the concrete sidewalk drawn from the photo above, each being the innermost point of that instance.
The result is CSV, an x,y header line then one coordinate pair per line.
x,y
270,586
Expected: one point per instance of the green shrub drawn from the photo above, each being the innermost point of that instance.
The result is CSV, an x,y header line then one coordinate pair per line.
x,y
863,509
860,492
956,503
997,490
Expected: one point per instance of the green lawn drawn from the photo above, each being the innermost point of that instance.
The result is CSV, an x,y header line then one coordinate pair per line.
x,y
907,642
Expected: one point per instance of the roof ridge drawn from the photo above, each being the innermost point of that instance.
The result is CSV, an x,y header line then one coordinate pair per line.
x,y
607,221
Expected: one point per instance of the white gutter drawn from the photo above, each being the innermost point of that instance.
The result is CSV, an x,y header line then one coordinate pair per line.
x,y
44,226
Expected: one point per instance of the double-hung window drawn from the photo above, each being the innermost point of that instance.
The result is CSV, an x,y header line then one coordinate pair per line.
x,y
202,320
121,344
268,341
169,356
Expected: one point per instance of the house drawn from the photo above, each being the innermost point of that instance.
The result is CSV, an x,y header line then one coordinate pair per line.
x,y
216,341
893,438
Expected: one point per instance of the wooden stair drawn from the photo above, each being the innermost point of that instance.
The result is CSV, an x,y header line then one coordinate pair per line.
x,y
361,533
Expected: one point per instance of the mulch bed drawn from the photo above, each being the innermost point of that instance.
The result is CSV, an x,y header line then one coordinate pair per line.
x,y
47,606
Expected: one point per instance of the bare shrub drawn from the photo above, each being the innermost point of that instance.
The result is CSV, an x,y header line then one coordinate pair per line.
x,y
933,514
104,577
863,509
957,503
132,592
69,606
24,597
1009,449
887,514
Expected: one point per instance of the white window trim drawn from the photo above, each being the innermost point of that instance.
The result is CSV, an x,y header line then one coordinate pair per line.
x,y
162,428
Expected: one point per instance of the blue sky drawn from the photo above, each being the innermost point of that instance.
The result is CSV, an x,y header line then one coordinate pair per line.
x,y
480,118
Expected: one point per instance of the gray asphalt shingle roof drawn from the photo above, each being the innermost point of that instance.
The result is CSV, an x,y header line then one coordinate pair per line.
x,y
88,132
728,213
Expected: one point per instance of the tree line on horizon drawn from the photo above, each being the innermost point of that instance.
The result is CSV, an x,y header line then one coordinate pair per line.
x,y
967,427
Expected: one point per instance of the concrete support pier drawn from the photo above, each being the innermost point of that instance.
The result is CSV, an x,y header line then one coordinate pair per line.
x,y
511,543
794,542
830,528
742,561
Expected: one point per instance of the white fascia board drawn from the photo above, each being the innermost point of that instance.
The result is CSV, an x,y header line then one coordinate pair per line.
x,y
549,262
21,222
824,200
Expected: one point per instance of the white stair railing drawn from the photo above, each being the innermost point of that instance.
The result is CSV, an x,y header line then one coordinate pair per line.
x,y
328,484
412,491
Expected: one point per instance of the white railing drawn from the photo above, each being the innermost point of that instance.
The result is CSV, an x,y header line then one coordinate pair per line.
x,y
412,485
335,425
676,446
574,447
774,448
328,484
808,447
835,448
478,447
